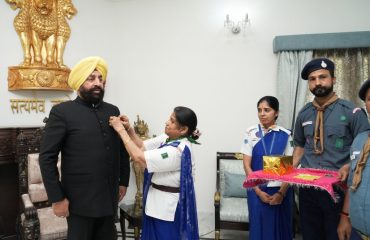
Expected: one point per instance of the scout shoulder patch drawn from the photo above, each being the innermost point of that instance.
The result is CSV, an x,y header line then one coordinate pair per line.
x,y
306,123
355,110
164,155
291,143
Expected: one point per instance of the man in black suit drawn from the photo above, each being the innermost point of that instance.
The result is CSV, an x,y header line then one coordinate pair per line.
x,y
94,164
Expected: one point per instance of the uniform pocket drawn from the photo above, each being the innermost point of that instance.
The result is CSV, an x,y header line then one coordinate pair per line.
x,y
338,137
308,134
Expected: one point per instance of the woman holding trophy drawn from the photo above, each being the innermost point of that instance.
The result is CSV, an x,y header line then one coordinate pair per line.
x,y
269,206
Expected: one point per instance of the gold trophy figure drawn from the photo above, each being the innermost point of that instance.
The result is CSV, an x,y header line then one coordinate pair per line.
x,y
142,130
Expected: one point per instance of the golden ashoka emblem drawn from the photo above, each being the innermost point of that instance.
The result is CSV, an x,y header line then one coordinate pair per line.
x,y
45,78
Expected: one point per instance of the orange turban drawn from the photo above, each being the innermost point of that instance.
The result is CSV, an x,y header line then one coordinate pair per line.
x,y
82,70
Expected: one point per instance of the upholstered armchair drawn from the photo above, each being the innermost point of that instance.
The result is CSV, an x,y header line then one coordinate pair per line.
x,y
37,220
230,199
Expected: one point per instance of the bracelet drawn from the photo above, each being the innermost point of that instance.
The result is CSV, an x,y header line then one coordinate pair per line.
x,y
280,193
344,214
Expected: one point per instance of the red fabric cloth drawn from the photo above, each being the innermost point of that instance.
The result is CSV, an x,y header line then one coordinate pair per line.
x,y
302,177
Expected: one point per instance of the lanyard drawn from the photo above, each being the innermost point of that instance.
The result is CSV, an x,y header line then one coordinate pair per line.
x,y
263,140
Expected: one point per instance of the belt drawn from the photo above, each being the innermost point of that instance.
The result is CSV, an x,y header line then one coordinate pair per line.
x,y
166,188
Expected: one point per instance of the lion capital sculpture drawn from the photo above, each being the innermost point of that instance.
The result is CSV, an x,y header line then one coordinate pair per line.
x,y
43,30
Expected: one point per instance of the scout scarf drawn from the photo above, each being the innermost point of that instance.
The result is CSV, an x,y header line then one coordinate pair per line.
x,y
319,125
361,163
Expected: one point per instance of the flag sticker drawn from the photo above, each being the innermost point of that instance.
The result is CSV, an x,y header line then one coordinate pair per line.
x,y
339,143
164,155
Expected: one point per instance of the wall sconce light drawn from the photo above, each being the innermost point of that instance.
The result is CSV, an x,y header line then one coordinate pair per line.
x,y
236,28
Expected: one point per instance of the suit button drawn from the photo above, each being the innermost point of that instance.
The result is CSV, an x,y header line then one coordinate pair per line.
x,y
107,147
104,134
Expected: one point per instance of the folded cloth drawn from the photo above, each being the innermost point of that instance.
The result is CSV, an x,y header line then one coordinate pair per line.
x,y
302,177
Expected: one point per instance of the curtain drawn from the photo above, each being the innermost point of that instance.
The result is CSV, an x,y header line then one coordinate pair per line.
x,y
352,68
291,89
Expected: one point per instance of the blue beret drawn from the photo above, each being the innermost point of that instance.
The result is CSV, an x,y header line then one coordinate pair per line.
x,y
316,64
363,89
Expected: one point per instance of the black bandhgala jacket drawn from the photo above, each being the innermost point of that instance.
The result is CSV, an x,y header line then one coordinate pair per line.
x,y
94,160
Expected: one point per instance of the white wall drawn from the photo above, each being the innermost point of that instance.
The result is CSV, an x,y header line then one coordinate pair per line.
x,y
164,53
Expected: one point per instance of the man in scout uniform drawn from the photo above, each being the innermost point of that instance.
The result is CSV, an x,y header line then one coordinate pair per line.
x,y
356,208
323,133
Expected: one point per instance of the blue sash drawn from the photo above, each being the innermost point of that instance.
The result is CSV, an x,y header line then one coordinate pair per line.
x,y
273,143
269,221
187,204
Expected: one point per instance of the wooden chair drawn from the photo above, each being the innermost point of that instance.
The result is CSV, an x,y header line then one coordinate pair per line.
x,y
37,220
231,210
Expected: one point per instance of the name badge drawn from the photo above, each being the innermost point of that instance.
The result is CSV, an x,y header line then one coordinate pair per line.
x,y
354,153
306,123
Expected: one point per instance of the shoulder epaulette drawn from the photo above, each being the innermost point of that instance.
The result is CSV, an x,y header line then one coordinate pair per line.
x,y
285,130
252,128
346,103
305,107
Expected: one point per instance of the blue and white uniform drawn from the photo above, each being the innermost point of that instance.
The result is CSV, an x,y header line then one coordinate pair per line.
x,y
165,164
169,215
268,222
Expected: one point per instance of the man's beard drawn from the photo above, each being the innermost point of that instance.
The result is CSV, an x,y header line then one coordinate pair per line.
x,y
321,91
91,96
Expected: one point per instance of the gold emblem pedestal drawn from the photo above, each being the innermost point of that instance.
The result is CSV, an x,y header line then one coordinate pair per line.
x,y
38,78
